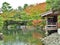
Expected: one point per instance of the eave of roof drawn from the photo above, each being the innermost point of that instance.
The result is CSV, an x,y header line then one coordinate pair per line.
x,y
49,13
46,13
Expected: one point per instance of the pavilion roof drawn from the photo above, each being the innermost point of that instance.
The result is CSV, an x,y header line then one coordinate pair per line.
x,y
50,13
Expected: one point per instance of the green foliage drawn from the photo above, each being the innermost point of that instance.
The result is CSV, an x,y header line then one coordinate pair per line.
x,y
25,6
24,16
48,7
59,19
20,8
1,22
6,7
54,4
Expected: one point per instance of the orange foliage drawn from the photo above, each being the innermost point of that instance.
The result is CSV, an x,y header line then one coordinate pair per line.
x,y
41,7
36,22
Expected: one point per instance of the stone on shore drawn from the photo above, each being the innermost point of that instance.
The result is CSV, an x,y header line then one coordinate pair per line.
x,y
53,39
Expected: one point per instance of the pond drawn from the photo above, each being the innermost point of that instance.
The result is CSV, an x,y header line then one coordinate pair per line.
x,y
12,43
18,37
12,40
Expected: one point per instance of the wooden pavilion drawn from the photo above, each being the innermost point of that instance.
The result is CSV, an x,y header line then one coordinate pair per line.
x,y
51,21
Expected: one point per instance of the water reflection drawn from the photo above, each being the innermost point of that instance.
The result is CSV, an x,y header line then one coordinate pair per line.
x,y
12,43
15,41
13,37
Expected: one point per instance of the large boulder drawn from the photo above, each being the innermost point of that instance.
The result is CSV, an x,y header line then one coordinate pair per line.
x,y
53,39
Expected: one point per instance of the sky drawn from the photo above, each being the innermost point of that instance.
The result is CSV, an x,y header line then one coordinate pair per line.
x,y
16,3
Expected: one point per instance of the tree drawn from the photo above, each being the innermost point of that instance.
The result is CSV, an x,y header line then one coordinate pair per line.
x,y
20,8
54,4
25,6
6,7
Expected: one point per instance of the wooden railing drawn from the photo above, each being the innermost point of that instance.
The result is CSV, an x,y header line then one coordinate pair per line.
x,y
51,23
51,27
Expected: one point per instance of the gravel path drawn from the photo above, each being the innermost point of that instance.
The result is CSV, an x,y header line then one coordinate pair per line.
x,y
53,39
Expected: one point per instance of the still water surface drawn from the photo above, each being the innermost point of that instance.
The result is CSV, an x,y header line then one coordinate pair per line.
x,y
12,43
8,40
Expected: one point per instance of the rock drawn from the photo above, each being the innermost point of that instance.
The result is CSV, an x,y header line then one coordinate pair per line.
x,y
1,36
53,39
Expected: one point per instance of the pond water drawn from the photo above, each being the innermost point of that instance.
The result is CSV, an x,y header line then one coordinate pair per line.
x,y
12,43
2,42
12,40
18,37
